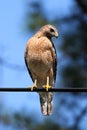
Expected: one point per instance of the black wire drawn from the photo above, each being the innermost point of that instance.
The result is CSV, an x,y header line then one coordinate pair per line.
x,y
43,90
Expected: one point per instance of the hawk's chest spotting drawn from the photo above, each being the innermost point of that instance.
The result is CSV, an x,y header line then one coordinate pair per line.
x,y
39,54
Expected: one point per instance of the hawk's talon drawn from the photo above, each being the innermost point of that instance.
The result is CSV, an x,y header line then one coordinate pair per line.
x,y
34,86
47,87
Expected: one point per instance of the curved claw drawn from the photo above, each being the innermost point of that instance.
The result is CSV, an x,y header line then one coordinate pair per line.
x,y
34,86
47,87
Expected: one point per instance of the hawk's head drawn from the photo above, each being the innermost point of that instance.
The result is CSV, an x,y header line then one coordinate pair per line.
x,y
49,31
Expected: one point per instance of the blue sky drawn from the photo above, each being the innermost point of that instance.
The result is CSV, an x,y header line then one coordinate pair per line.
x,y
13,39
12,46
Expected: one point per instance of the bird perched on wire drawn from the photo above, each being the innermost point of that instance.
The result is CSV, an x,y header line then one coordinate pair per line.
x,y
41,62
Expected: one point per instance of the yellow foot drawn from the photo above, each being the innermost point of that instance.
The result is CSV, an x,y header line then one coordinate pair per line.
x,y
34,86
47,87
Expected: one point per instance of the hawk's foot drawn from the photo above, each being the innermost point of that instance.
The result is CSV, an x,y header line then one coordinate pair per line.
x,y
47,86
34,86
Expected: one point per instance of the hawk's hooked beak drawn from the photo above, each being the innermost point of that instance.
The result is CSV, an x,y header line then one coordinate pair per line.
x,y
56,34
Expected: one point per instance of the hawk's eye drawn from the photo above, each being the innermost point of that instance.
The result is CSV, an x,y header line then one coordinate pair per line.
x,y
51,30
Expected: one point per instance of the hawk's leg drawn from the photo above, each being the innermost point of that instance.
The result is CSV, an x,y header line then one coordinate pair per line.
x,y
34,86
47,86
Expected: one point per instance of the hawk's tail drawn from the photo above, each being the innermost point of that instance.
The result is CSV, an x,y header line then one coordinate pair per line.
x,y
46,103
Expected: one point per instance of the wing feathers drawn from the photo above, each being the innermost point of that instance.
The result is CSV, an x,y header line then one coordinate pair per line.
x,y
25,58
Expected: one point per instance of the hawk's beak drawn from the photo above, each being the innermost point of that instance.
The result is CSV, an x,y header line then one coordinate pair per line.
x,y
56,34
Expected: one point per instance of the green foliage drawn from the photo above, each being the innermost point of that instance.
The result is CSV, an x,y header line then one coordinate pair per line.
x,y
35,18
74,74
47,125
74,45
73,48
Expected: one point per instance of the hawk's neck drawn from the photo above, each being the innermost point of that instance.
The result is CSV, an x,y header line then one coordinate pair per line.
x,y
41,34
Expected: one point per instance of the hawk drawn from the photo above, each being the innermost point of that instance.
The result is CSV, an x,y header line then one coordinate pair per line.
x,y
41,62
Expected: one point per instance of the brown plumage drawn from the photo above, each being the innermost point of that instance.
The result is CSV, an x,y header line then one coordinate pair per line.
x,y
40,59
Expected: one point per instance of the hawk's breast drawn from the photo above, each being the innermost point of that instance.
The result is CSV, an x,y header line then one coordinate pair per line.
x,y
39,55
40,61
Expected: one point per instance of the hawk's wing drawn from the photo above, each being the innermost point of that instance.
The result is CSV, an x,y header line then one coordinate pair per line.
x,y
25,58
54,62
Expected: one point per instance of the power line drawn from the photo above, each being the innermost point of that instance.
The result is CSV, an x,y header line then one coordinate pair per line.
x,y
43,90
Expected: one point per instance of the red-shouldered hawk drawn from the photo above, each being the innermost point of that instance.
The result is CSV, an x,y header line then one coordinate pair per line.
x,y
41,62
